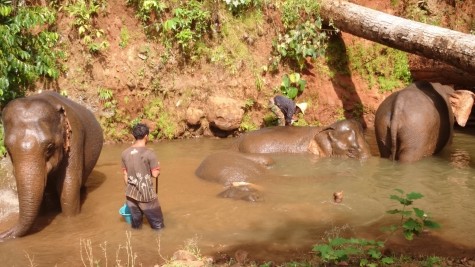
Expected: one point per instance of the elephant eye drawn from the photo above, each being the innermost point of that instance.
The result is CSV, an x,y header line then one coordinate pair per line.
x,y
49,150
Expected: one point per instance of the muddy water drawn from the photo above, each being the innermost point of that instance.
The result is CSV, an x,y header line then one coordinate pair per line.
x,y
297,211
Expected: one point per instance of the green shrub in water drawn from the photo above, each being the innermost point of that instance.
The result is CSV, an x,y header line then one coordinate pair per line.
x,y
368,252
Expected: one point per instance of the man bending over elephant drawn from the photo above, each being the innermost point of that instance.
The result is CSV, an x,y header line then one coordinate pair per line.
x,y
140,164
285,109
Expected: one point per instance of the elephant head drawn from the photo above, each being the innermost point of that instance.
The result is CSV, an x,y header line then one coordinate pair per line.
x,y
341,139
37,140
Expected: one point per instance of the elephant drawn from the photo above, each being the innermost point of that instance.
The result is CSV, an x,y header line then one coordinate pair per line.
x,y
343,139
418,120
53,143
235,171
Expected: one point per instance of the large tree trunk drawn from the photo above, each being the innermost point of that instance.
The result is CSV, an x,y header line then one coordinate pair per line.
x,y
452,47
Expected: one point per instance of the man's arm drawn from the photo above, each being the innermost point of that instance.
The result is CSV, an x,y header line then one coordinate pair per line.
x,y
125,176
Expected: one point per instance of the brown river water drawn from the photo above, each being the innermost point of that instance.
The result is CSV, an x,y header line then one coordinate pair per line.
x,y
297,211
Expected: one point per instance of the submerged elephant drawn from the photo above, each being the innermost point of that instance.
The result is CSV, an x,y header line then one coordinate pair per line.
x,y
341,139
54,144
418,121
235,171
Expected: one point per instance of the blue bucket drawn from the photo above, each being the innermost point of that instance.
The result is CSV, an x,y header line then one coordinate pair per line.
x,y
125,212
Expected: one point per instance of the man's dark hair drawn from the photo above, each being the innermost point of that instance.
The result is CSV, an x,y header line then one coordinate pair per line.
x,y
139,131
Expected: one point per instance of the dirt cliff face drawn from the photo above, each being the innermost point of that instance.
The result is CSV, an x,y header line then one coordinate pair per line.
x,y
136,73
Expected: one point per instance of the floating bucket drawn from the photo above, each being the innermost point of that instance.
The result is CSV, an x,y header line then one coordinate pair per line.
x,y
125,212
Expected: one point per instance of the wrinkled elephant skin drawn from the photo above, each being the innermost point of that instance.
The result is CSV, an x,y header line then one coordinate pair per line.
x,y
341,139
235,171
417,121
54,144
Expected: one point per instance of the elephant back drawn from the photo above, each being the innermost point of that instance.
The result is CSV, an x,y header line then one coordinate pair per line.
x,y
229,167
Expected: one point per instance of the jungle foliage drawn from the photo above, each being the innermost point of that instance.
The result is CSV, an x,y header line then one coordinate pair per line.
x,y
27,48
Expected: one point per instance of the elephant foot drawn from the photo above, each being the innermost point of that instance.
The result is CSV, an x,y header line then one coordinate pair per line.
x,y
242,191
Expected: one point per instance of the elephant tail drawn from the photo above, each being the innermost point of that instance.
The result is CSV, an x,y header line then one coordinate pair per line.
x,y
393,128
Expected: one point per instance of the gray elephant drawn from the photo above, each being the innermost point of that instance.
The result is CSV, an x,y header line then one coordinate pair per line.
x,y
235,171
341,139
417,121
54,144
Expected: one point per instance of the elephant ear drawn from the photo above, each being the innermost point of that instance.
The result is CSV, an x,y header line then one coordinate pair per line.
x,y
461,102
66,127
320,145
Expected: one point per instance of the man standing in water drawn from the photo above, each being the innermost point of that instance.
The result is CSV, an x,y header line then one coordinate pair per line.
x,y
285,109
140,165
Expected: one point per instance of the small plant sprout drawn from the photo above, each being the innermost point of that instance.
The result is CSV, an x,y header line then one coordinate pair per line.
x,y
410,225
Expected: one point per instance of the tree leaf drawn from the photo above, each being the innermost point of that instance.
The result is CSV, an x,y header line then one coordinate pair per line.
x,y
414,196
419,213
431,224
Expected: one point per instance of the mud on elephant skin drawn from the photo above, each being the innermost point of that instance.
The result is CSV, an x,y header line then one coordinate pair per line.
x,y
235,171
418,120
344,139
53,143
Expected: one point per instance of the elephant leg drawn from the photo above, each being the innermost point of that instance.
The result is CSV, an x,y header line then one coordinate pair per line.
x,y
70,191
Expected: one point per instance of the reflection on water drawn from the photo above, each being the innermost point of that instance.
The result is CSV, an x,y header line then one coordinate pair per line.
x,y
297,212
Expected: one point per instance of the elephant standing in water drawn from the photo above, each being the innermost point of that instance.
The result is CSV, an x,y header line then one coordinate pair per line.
x,y
341,139
235,171
54,144
418,121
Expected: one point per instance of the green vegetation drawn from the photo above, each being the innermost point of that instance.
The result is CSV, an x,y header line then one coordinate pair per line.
x,y
27,48
3,149
187,28
124,37
239,6
369,252
380,65
292,85
306,40
303,35
83,12
112,118
149,12
157,112
421,11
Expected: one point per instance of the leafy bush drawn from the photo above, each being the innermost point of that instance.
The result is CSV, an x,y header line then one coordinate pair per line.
x,y
378,64
294,12
84,12
341,249
188,27
238,6
305,40
292,85
157,112
26,54
149,12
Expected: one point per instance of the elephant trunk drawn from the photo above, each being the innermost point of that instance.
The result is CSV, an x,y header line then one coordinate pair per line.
x,y
31,182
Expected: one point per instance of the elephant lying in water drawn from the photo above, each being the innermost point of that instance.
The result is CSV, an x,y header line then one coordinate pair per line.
x,y
235,171
341,139
418,121
54,144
